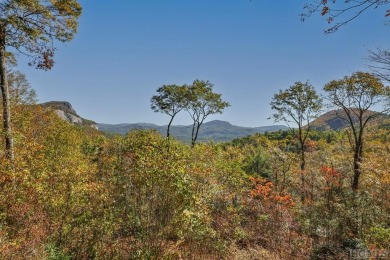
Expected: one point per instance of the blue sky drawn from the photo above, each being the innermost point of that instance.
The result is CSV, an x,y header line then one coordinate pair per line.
x,y
126,49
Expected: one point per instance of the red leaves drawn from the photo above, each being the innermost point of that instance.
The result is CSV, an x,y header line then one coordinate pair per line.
x,y
331,176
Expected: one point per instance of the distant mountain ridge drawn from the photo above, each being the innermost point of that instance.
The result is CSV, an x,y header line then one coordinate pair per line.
x,y
215,130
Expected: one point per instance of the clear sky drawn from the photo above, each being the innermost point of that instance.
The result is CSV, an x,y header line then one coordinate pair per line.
x,y
126,49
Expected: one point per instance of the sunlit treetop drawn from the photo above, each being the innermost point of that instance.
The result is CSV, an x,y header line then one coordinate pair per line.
x,y
362,91
298,104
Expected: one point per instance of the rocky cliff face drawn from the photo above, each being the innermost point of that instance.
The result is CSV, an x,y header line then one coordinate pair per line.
x,y
66,112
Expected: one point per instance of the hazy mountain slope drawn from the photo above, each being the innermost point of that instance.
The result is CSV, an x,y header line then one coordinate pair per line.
x,y
333,120
214,130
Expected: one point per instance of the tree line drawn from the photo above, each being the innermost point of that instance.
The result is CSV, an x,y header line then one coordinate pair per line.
x,y
352,97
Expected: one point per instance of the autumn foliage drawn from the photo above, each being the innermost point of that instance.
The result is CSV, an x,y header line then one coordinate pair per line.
x,y
74,193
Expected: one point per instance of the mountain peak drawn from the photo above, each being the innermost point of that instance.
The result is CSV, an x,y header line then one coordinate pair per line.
x,y
60,105
335,120
66,112
218,123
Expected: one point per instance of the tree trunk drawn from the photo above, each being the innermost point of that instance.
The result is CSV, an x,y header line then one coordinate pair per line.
x,y
9,144
196,133
303,163
169,126
276,181
357,159
193,135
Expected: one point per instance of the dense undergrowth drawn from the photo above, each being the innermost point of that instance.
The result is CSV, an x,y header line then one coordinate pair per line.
x,y
73,193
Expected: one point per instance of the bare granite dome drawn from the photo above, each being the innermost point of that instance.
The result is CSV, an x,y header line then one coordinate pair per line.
x,y
66,112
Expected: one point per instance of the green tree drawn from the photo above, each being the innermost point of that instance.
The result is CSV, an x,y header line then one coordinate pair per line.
x,y
20,90
171,99
30,27
202,103
341,11
299,104
355,96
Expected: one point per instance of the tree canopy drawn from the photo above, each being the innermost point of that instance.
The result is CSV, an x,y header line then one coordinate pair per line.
x,y
170,100
298,104
202,103
31,26
20,89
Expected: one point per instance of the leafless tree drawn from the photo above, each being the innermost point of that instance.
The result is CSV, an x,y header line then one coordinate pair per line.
x,y
339,13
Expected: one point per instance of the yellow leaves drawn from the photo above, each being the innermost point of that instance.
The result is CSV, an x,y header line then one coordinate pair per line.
x,y
139,193
376,164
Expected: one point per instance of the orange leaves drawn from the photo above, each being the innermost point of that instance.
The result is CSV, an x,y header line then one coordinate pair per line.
x,y
284,200
311,145
331,176
330,172
264,190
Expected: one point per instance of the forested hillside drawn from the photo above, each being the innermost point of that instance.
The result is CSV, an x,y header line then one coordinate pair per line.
x,y
74,193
